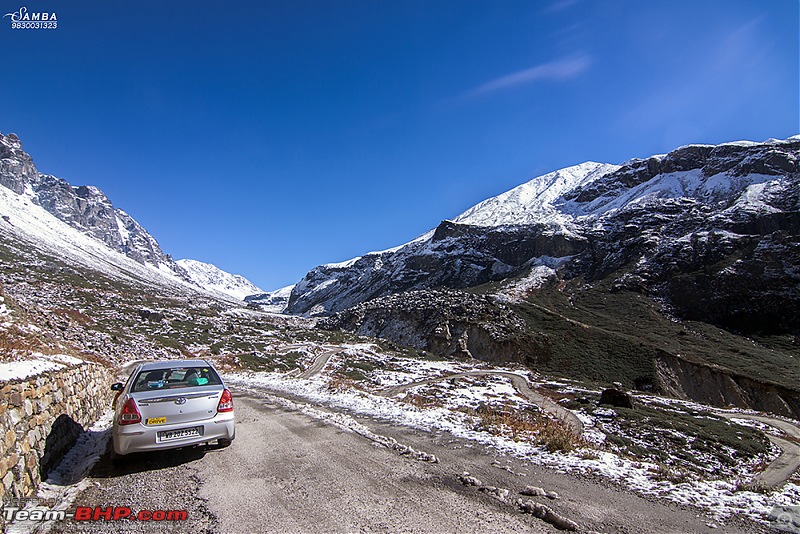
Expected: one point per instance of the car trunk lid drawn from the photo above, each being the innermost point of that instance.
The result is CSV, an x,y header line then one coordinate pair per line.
x,y
187,405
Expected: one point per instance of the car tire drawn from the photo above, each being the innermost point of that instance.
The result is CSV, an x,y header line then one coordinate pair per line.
x,y
224,442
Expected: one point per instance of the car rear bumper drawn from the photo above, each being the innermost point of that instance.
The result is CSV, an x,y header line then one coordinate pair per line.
x,y
128,439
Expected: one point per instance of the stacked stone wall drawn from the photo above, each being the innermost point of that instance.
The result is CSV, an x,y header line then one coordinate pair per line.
x,y
41,417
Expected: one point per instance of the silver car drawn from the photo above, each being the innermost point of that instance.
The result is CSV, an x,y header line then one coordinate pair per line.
x,y
170,404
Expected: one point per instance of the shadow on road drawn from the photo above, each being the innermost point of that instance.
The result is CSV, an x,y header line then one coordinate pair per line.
x,y
148,461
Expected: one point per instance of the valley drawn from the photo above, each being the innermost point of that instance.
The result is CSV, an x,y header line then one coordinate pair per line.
x,y
626,338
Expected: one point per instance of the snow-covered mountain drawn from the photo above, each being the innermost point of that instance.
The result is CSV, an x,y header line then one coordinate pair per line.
x,y
84,208
729,211
26,226
272,301
537,201
79,225
213,278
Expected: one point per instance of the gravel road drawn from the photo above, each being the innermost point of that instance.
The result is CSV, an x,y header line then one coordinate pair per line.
x,y
289,472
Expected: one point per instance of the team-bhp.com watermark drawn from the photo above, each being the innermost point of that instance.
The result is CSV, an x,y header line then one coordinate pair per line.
x,y
21,511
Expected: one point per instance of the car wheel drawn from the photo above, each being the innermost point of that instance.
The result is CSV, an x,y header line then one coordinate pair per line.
x,y
224,442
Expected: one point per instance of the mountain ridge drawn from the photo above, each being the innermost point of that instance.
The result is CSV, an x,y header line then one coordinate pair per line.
x,y
85,208
213,278
29,198
599,217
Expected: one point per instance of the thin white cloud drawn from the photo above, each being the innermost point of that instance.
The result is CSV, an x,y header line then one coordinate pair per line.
x,y
560,70
560,5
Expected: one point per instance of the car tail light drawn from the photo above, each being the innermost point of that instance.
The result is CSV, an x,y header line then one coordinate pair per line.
x,y
130,413
225,402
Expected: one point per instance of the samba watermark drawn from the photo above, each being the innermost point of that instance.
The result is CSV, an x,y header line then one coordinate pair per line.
x,y
23,19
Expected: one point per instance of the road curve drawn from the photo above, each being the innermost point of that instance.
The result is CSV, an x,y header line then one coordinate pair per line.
x,y
783,467
319,363
571,421
775,475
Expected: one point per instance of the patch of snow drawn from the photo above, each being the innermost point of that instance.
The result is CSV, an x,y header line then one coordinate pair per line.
x,y
752,199
213,278
343,264
25,368
720,497
535,202
123,230
37,364
544,268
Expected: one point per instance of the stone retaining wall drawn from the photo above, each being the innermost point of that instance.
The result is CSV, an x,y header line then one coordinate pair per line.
x,y
40,418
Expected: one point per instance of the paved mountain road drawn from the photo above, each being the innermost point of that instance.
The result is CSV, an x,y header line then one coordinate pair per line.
x,y
319,362
289,472
782,468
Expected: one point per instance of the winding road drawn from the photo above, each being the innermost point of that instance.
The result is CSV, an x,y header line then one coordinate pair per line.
x,y
522,386
776,474
319,362
783,467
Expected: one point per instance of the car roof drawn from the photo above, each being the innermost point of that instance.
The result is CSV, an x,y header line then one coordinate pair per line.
x,y
171,364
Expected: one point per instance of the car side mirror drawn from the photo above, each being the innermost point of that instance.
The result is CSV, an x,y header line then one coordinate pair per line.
x,y
117,387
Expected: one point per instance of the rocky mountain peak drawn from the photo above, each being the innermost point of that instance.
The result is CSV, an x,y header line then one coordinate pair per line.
x,y
16,166
694,226
213,278
85,208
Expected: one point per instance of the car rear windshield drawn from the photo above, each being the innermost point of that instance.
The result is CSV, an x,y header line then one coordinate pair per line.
x,y
175,378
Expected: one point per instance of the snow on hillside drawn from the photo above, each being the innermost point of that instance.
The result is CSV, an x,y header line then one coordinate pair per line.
x,y
213,278
272,301
534,202
24,222
721,187
551,215
39,363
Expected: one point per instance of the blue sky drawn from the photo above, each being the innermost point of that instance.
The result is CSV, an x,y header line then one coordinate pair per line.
x,y
270,137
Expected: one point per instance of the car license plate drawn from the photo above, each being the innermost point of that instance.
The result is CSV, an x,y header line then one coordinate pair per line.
x,y
167,435
156,420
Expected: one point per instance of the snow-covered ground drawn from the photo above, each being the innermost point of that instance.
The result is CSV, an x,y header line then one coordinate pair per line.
x,y
38,363
721,498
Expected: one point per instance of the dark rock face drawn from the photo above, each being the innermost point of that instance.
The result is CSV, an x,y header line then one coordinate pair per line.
x,y
446,323
456,256
713,230
737,268
85,208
